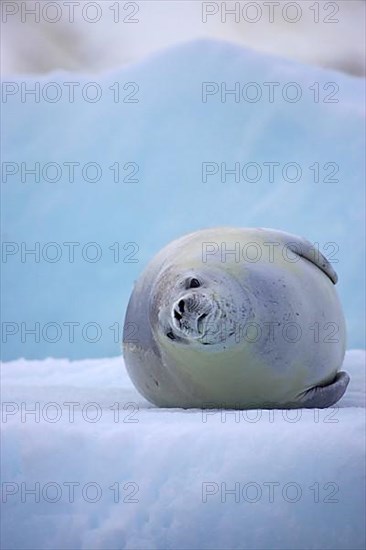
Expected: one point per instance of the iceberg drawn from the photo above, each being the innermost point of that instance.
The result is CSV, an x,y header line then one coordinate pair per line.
x,y
99,172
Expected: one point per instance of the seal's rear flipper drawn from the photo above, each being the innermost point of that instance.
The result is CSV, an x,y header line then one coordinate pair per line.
x,y
321,397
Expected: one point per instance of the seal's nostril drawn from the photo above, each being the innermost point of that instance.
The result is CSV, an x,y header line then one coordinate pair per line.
x,y
177,315
181,306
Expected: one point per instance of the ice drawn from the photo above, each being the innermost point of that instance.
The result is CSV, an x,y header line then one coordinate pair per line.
x,y
169,133
170,466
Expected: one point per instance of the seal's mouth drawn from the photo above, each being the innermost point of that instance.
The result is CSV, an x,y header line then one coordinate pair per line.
x,y
201,324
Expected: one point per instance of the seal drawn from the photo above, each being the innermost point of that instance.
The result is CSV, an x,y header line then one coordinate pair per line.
x,y
237,318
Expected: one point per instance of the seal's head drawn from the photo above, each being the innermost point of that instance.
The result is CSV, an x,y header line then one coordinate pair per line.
x,y
198,307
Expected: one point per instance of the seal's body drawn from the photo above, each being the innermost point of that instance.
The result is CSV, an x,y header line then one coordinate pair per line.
x,y
237,318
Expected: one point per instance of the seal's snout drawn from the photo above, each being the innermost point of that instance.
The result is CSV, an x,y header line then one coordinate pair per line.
x,y
189,313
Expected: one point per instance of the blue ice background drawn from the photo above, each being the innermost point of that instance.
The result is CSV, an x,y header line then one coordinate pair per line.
x,y
169,133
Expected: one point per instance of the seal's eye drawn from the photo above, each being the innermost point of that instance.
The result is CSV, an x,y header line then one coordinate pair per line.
x,y
170,335
194,283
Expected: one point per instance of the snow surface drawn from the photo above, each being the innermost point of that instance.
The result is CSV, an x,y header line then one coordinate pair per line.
x,y
169,132
314,458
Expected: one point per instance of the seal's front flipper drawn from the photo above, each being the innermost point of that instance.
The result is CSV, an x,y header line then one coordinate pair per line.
x,y
321,397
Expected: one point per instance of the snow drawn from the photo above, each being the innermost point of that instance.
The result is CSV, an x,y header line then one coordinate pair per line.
x,y
298,475
169,133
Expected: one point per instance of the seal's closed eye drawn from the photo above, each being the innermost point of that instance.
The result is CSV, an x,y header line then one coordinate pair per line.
x,y
194,283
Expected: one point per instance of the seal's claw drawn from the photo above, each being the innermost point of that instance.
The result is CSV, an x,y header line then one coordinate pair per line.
x,y
321,397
